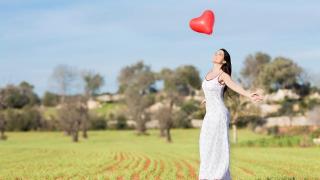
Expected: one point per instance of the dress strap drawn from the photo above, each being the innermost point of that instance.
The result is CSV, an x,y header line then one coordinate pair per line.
x,y
219,75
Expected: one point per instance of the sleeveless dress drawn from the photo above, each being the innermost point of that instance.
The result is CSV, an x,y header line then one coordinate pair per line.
x,y
214,146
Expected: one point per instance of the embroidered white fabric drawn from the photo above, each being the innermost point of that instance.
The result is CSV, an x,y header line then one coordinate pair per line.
x,y
214,146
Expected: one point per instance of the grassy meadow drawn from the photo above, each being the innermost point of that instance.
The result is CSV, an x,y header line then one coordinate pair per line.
x,y
115,154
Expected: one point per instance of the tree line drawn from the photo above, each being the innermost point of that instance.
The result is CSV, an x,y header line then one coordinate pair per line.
x,y
21,108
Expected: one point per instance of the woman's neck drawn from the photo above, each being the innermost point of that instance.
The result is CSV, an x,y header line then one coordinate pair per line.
x,y
216,67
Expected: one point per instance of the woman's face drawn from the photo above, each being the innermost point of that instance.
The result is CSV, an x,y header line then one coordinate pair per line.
x,y
218,57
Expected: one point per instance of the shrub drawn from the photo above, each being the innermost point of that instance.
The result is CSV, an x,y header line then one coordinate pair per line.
x,y
23,120
97,122
190,106
50,99
305,141
278,141
250,143
117,120
181,119
316,133
121,121
298,130
274,130
199,114
19,96
249,120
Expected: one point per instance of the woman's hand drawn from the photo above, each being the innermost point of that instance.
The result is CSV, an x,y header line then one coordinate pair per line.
x,y
256,96
203,102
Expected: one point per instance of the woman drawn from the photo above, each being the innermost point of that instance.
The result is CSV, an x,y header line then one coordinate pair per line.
x,y
214,137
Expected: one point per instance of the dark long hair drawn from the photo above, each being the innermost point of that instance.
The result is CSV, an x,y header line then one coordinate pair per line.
x,y
226,67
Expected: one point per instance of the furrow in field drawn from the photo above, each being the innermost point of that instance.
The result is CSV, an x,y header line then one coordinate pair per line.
x,y
247,171
137,174
162,166
179,174
191,169
153,170
118,159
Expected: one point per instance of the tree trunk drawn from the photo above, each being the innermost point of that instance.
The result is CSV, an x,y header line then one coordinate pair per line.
x,y
234,130
75,136
84,133
168,124
162,132
85,119
84,129
141,126
168,135
75,131
2,136
141,129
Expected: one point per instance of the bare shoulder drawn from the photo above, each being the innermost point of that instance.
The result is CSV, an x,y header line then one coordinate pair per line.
x,y
224,76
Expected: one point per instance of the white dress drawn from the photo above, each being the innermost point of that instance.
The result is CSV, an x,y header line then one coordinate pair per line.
x,y
214,147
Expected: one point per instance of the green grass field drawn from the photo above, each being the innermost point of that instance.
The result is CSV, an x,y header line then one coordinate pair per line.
x,y
123,155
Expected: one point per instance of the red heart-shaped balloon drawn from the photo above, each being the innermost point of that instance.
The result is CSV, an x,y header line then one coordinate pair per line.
x,y
204,23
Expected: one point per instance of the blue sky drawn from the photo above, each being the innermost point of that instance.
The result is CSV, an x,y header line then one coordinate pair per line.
x,y
105,36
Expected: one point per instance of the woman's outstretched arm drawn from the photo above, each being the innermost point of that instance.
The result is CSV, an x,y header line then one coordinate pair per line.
x,y
239,89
